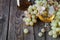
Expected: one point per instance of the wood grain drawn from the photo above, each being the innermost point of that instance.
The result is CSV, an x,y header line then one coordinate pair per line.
x,y
4,11
19,25
13,10
37,29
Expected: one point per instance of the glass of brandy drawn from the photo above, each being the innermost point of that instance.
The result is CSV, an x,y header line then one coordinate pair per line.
x,y
23,4
46,14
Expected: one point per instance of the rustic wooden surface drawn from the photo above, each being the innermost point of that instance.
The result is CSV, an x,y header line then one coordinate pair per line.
x,y
11,24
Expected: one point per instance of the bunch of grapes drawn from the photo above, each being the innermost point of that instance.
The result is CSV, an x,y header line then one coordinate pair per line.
x,y
55,32
30,15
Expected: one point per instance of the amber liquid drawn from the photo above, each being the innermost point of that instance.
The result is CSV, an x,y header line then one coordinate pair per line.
x,y
24,4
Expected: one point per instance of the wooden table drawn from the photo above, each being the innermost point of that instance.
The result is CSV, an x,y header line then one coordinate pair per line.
x,y
11,24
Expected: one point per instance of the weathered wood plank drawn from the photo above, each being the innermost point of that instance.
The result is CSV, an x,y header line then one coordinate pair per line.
x,y
16,25
1,9
4,11
30,35
19,25
48,37
13,10
37,29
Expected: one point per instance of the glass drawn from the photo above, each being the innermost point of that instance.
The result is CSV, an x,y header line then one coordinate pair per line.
x,y
46,14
